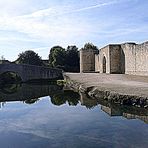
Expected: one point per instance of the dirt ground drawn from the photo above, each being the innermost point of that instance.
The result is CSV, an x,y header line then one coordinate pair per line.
x,y
119,83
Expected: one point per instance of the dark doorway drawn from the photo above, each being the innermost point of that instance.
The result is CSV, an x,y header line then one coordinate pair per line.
x,y
104,64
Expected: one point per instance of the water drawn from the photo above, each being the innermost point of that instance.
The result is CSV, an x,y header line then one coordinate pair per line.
x,y
43,116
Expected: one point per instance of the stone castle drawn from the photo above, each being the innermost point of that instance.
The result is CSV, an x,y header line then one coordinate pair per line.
x,y
127,58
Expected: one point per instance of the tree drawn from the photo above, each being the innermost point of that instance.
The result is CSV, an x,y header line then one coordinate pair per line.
x,y
90,46
68,59
57,57
72,59
29,57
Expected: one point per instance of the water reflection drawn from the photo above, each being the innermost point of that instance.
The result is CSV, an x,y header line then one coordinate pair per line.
x,y
30,94
67,96
18,92
129,112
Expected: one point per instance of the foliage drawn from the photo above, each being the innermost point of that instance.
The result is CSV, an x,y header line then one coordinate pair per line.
x,y
57,56
90,46
68,59
29,57
72,59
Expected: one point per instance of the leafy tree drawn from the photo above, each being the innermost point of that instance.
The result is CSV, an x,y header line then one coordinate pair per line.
x,y
57,57
29,57
72,59
90,46
68,59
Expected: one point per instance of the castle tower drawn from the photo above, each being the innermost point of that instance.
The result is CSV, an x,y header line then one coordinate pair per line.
x,y
87,60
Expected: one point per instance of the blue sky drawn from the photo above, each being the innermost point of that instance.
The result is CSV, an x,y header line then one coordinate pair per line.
x,y
40,24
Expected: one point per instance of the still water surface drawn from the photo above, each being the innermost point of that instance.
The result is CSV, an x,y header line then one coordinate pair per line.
x,y
43,116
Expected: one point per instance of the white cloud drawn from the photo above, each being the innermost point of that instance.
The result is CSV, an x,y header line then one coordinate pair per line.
x,y
45,24
65,25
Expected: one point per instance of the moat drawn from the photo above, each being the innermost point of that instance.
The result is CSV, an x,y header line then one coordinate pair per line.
x,y
53,116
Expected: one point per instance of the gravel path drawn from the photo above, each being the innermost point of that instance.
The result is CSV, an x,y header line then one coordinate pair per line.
x,y
123,84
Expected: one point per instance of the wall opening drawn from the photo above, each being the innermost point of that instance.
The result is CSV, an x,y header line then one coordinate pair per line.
x,y
104,64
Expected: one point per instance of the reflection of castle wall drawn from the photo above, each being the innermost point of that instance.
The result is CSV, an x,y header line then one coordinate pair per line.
x,y
116,111
30,92
111,112
88,102
131,116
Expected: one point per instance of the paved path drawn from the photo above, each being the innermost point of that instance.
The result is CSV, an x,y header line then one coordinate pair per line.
x,y
123,84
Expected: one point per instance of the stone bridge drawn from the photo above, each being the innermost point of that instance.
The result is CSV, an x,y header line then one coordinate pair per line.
x,y
32,72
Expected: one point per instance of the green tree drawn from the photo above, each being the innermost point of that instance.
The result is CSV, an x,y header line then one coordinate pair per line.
x,y
72,63
68,59
57,57
90,46
29,57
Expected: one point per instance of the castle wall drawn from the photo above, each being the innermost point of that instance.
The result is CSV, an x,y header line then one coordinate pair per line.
x,y
87,60
136,57
115,58
104,52
97,64
129,52
142,59
128,58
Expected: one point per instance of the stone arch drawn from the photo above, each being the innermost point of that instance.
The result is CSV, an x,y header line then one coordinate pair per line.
x,y
104,64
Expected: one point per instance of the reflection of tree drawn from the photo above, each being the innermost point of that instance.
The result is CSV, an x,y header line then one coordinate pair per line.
x,y
58,100
67,96
31,101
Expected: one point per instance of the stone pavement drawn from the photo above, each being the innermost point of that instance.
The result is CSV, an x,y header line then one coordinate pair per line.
x,y
118,83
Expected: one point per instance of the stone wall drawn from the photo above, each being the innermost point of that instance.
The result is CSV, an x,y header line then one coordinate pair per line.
x,y
127,58
112,54
31,72
136,57
129,52
87,60
115,58
104,52
97,64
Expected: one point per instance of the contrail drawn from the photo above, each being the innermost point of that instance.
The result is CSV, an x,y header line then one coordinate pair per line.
x,y
95,6
47,12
